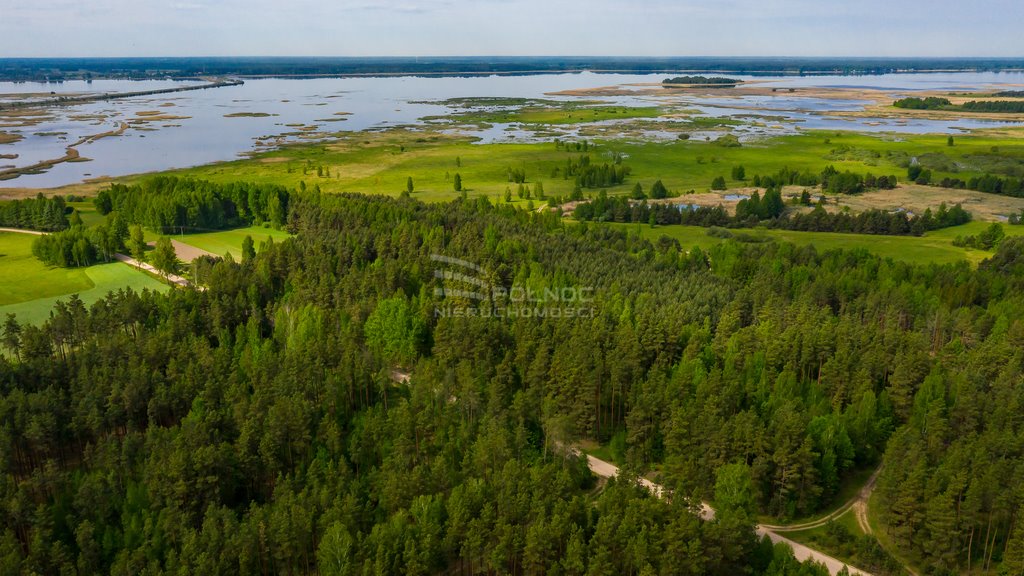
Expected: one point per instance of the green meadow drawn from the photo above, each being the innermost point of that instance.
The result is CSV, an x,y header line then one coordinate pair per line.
x,y
230,241
29,288
381,163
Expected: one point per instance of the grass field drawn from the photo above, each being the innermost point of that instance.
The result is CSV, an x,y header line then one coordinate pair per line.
x,y
29,288
226,241
25,278
934,247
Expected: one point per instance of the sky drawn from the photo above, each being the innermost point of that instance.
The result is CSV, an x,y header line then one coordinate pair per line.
x,y
68,28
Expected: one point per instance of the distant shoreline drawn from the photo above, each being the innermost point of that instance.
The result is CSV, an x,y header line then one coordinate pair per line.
x,y
131,68
242,77
58,100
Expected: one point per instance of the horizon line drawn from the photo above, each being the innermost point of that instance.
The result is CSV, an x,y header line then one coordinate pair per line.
x,y
484,56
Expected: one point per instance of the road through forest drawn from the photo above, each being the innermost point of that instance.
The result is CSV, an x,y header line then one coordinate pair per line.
x,y
800,551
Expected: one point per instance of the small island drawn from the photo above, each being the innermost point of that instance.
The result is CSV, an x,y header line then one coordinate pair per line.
x,y
704,81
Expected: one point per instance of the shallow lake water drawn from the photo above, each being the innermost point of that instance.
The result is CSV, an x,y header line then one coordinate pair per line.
x,y
196,127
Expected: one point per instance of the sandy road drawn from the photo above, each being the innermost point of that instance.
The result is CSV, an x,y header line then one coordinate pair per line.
x,y
800,551
172,278
21,231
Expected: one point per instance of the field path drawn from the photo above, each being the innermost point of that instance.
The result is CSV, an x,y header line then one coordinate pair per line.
x,y
859,504
800,551
22,231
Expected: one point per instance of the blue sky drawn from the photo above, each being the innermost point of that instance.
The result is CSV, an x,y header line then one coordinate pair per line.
x,y
510,27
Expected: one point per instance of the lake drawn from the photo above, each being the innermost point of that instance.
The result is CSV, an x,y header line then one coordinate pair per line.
x,y
197,127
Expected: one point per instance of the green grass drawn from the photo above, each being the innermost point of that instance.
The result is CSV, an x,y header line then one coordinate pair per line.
x,y
226,241
934,247
25,278
86,209
849,520
29,288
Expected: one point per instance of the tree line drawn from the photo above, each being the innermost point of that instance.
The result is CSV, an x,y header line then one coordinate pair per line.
x,y
771,212
170,204
39,213
988,183
830,179
936,103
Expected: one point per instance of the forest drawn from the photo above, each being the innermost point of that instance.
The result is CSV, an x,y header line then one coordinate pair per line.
x,y
257,427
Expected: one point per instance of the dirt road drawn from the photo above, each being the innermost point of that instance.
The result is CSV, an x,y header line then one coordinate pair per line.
x,y
800,551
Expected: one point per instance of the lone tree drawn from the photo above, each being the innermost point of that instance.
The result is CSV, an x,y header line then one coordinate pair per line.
x,y
638,192
248,250
11,337
949,141
718,183
164,258
137,243
458,182
739,173
409,186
